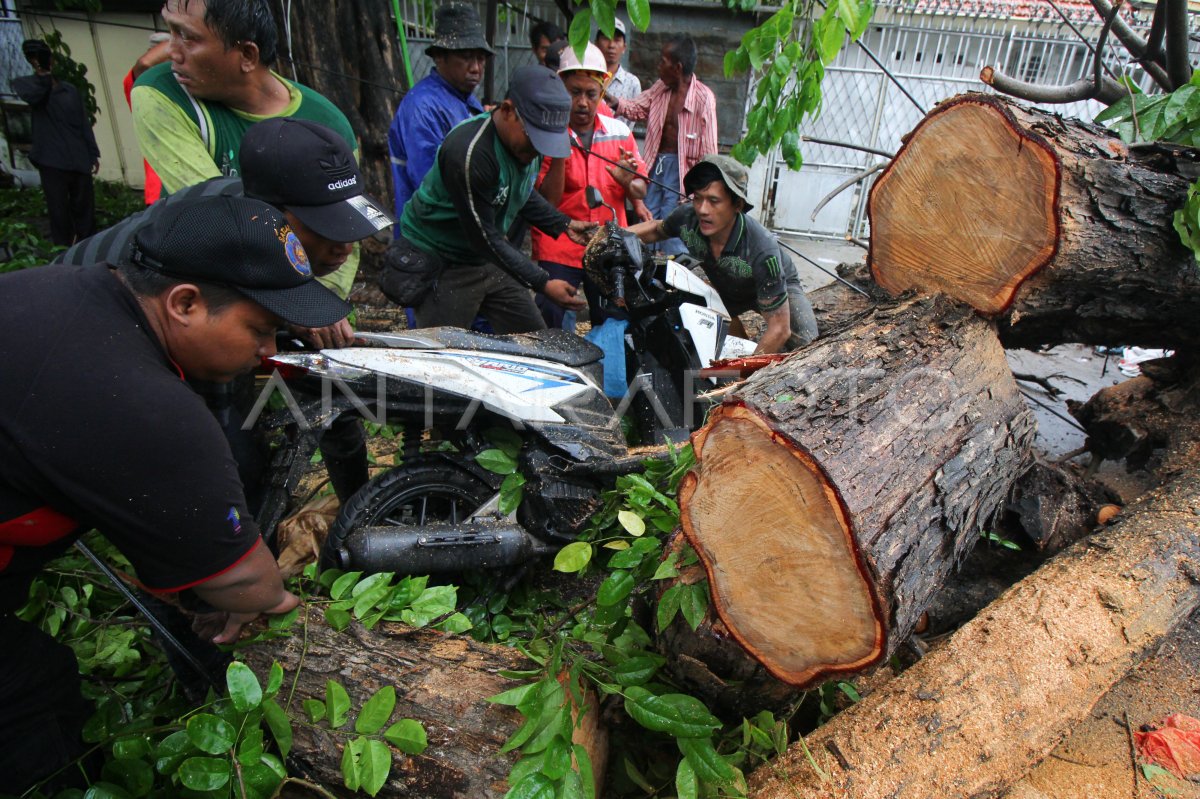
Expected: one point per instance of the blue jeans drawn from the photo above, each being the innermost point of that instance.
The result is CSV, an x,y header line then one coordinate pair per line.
x,y
662,202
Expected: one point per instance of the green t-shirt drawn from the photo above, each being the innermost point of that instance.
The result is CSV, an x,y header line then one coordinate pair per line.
x,y
187,140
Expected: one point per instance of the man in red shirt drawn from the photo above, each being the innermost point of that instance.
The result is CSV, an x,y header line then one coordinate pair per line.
x,y
564,181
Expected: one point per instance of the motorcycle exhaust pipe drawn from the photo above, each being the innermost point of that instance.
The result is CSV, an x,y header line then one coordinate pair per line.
x,y
438,548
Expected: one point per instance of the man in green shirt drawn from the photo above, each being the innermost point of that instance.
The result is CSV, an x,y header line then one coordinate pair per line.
x,y
191,112
453,229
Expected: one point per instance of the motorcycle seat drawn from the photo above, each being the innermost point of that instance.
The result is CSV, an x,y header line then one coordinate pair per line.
x,y
554,345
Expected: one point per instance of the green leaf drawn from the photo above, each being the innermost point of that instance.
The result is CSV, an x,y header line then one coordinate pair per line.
x,y
574,557
578,35
171,751
633,523
374,765
637,670
250,748
133,747
676,714
407,735
626,559
604,12
315,709
244,690
274,679
343,584
587,777
351,755
211,734
106,790
668,606
512,491
560,725
204,773
557,760
135,776
534,786
667,568
506,439
514,696
376,711
706,761
528,764
848,13
280,725
372,584
497,460
615,588
686,786
337,704
693,603
639,13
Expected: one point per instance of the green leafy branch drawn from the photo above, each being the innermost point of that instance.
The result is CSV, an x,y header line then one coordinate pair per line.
x,y
1172,117
787,55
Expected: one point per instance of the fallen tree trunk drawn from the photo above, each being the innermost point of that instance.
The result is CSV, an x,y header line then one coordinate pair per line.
x,y
836,490
441,680
1053,226
977,713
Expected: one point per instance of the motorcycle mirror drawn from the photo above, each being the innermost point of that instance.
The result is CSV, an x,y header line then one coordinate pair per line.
x,y
594,198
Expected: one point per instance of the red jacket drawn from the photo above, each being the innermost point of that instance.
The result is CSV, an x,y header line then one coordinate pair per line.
x,y
611,136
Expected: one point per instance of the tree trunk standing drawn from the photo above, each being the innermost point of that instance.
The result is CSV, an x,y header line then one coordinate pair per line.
x,y
1054,226
353,58
441,680
977,713
836,490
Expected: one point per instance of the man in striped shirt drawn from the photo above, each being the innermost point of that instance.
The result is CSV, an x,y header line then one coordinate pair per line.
x,y
681,126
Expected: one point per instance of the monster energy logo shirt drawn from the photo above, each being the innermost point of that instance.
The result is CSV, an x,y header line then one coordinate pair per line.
x,y
753,272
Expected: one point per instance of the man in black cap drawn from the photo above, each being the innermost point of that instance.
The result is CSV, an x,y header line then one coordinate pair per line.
x,y
451,260
304,169
440,100
307,172
64,147
98,429
742,259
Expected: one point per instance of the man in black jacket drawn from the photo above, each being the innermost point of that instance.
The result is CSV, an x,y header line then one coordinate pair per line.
x,y
64,148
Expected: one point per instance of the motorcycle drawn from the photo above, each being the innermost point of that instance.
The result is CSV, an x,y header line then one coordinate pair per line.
x,y
440,510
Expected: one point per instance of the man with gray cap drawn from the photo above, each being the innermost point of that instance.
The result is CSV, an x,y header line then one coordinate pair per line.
x,y
440,100
742,259
98,429
452,260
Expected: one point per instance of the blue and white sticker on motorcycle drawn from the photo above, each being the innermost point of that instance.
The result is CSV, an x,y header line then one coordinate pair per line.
x,y
543,377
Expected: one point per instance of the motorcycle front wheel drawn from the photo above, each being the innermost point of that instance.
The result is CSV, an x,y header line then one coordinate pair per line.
x,y
421,491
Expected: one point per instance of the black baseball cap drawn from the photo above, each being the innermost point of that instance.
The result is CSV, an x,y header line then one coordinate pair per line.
x,y
544,106
309,169
241,243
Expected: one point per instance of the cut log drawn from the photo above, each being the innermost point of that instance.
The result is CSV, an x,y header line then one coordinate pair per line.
x,y
1056,505
979,711
441,680
1053,226
837,489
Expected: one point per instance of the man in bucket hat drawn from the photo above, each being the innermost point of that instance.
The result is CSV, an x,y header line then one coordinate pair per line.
x,y
452,260
742,259
440,100
98,429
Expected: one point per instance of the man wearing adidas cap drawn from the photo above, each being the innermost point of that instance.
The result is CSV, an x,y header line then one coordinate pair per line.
x,y
98,429
302,168
452,259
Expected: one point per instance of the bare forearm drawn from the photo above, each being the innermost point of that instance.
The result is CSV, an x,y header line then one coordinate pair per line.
x,y
779,329
553,183
636,189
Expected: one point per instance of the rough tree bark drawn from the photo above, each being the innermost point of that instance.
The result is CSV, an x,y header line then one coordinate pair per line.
x,y
353,59
836,490
976,713
441,680
1053,226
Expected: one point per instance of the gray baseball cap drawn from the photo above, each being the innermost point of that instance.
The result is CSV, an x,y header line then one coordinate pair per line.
x,y
730,171
544,106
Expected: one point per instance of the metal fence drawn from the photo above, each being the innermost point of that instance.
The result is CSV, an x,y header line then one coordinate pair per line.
x,y
935,49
